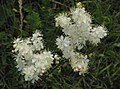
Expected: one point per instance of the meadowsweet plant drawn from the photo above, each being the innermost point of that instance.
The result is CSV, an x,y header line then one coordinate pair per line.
x,y
78,29
33,60
31,57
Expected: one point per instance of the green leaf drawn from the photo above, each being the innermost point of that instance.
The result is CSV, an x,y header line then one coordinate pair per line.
x,y
104,69
116,44
33,20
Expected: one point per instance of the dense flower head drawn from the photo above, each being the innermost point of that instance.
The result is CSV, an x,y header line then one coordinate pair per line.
x,y
31,57
79,63
78,29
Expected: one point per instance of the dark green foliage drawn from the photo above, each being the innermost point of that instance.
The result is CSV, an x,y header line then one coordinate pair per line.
x,y
104,71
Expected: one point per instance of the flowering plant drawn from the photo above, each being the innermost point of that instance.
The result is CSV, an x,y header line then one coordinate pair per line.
x,y
78,30
33,59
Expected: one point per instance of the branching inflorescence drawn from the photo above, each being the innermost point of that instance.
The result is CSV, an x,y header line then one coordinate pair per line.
x,y
78,30
31,57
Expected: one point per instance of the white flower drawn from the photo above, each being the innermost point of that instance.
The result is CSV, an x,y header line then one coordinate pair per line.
x,y
38,44
31,59
79,63
79,15
67,52
78,29
37,40
36,35
99,31
30,73
57,58
62,20
21,64
63,42
17,41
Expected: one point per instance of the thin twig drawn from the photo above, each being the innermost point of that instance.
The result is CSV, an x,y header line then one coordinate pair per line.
x,y
59,3
21,16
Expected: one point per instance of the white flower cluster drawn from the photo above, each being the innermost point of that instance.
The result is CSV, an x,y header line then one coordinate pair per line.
x,y
78,29
32,60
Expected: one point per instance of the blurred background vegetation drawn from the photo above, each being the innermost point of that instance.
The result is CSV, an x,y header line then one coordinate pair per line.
x,y
104,71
